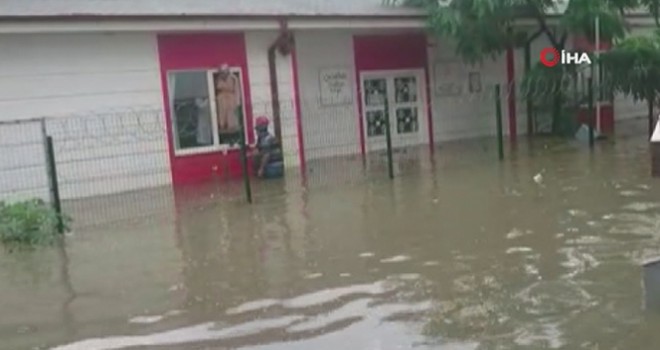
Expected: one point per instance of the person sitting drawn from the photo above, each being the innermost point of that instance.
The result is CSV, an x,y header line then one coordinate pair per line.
x,y
269,154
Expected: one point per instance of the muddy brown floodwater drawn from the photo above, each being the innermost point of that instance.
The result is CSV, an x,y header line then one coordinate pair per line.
x,y
475,255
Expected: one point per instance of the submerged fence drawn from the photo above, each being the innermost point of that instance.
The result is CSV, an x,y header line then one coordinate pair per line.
x,y
114,166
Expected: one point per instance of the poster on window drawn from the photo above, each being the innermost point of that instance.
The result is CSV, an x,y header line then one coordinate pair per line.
x,y
335,86
228,104
449,78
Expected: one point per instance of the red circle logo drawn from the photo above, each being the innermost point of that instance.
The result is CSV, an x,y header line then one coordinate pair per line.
x,y
550,62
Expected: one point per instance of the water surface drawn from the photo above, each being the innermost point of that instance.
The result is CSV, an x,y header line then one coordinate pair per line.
x,y
466,254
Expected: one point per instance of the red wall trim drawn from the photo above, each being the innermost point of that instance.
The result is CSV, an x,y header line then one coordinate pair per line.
x,y
511,94
584,44
390,51
235,17
203,51
299,126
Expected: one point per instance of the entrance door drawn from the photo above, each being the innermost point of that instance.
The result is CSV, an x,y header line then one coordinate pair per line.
x,y
403,92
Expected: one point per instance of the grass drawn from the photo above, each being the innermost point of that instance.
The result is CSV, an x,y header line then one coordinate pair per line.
x,y
29,223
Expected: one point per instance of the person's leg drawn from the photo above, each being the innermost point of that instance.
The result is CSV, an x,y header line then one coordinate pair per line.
x,y
226,116
256,162
232,116
220,114
229,106
264,162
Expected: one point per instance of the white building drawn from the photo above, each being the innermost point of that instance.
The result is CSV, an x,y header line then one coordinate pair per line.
x,y
127,86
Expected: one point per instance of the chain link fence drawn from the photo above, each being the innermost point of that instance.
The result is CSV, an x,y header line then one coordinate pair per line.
x,y
115,166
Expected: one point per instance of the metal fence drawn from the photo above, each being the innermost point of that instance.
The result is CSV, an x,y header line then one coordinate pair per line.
x,y
115,166
23,162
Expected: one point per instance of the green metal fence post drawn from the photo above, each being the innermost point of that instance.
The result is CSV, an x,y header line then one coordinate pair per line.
x,y
528,98
498,114
590,97
244,157
388,138
54,183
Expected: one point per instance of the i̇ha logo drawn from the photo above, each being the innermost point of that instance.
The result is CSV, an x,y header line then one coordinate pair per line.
x,y
550,57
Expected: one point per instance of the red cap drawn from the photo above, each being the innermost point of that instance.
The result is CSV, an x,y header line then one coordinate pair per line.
x,y
262,121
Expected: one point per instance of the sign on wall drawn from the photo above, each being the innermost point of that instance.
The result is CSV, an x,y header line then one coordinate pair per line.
x,y
335,86
475,82
449,78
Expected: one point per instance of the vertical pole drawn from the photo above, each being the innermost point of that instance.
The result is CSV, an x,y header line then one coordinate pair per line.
x,y
528,67
649,101
599,96
388,138
511,95
244,158
498,114
590,97
44,139
53,183
274,92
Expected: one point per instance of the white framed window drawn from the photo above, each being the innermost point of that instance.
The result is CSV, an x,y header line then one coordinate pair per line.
x,y
205,108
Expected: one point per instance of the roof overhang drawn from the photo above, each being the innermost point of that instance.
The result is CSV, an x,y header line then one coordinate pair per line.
x,y
119,24
86,24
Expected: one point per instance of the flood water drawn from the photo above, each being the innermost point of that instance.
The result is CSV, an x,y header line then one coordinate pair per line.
x,y
475,254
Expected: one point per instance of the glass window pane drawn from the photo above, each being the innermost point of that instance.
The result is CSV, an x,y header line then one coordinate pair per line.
x,y
191,112
376,123
375,91
405,89
406,120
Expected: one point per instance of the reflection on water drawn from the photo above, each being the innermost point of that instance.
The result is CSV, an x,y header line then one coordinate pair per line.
x,y
475,255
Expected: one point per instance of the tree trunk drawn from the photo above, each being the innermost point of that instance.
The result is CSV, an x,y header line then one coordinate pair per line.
x,y
557,94
556,109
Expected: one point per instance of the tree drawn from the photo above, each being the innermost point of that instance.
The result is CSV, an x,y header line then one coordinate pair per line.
x,y
485,29
633,67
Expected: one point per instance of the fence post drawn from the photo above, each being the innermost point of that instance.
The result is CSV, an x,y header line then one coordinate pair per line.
x,y
528,97
244,158
53,183
590,97
388,138
498,115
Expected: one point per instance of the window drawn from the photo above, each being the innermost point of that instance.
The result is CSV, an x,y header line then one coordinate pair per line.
x,y
206,110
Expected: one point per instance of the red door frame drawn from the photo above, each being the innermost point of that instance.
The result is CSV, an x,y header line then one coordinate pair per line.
x,y
203,51
391,52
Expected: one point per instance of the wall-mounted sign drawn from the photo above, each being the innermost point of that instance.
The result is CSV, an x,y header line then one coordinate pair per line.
x,y
475,82
335,86
449,78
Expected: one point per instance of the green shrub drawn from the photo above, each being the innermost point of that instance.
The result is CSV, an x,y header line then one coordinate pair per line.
x,y
29,223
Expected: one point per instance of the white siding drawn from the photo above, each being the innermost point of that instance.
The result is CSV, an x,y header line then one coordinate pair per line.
x,y
327,130
86,83
257,44
333,130
472,115
464,115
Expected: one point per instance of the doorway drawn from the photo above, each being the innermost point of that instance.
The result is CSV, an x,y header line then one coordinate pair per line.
x,y
398,95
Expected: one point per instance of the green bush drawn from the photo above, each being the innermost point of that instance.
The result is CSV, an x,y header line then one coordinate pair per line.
x,y
29,223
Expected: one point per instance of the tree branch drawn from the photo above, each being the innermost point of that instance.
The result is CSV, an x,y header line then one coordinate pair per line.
x,y
563,39
534,36
540,18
